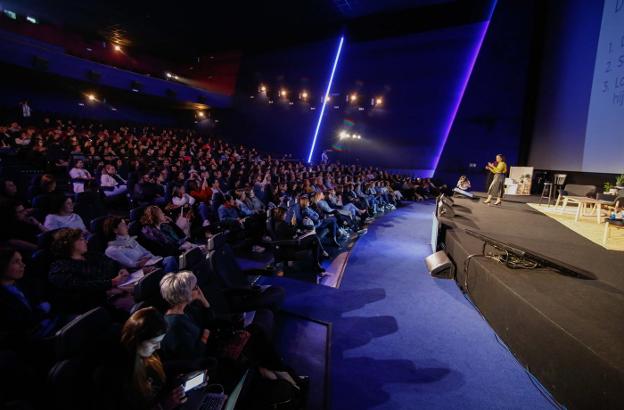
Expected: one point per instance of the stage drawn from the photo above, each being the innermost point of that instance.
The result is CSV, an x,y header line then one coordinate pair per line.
x,y
568,331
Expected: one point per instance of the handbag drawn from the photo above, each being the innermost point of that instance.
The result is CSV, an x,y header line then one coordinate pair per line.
x,y
183,223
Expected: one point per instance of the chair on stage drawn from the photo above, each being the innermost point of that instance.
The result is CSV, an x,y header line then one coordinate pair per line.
x,y
550,188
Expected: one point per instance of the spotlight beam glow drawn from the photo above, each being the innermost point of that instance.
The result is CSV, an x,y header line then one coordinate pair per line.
x,y
327,91
462,90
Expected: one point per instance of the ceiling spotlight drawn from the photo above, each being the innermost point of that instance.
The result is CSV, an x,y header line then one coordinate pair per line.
x,y
201,114
353,97
378,101
263,89
117,47
328,99
304,95
283,93
168,75
175,77
91,97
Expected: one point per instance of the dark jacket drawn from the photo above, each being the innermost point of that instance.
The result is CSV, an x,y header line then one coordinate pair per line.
x,y
183,338
285,231
163,241
20,322
82,285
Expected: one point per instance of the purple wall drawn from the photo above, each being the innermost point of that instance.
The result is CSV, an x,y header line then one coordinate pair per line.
x,y
418,76
491,116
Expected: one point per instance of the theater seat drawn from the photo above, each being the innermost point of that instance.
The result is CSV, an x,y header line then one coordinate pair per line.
x,y
241,294
81,346
223,262
147,291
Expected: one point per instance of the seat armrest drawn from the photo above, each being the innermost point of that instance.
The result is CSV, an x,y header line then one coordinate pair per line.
x,y
286,242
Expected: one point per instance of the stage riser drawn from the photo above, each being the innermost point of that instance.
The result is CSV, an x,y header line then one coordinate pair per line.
x,y
576,376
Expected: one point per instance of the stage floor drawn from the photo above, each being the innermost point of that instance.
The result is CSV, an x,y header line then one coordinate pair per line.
x,y
519,224
569,331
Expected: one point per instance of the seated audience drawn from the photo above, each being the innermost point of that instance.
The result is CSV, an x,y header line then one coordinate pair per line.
x,y
124,248
19,227
44,194
160,229
24,316
189,338
111,183
136,379
63,215
80,279
288,230
79,175
148,191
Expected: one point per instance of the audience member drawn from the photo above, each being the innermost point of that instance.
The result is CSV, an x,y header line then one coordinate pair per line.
x,y
63,215
81,279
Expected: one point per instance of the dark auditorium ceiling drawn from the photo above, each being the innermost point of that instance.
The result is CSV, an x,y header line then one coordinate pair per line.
x,y
183,29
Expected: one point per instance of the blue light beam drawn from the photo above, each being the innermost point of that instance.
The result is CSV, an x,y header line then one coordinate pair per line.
x,y
327,91
462,90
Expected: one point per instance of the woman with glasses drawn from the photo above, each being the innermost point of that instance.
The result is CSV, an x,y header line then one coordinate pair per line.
x,y
80,279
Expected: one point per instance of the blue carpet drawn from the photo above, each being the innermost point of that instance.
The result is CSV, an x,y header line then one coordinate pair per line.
x,y
402,340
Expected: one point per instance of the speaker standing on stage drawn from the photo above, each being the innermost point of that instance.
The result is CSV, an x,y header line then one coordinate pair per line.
x,y
499,169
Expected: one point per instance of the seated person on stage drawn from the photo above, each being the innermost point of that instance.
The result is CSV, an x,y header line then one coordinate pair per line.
x,y
160,230
463,183
194,333
19,227
288,230
24,317
112,184
136,378
80,279
126,250
63,215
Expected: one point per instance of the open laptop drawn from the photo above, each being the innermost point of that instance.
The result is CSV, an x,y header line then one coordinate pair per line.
x,y
200,400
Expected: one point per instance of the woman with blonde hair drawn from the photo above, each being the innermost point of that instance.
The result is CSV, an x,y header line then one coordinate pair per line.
x,y
160,230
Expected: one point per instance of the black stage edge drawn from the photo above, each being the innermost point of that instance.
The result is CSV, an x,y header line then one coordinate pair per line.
x,y
568,332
